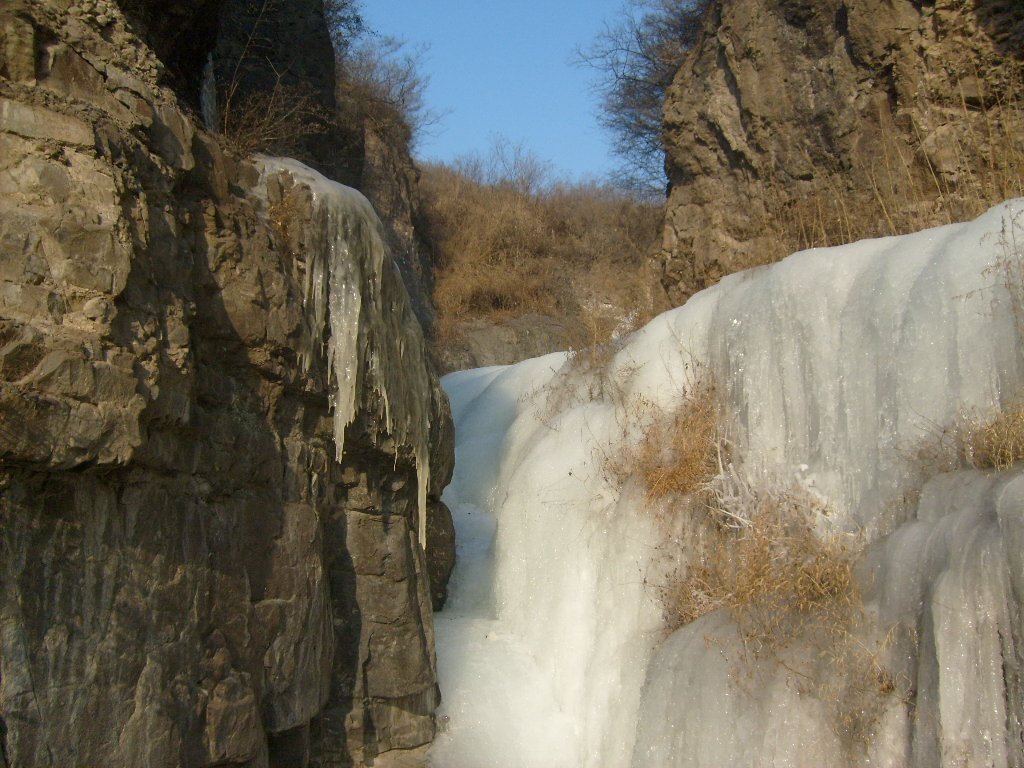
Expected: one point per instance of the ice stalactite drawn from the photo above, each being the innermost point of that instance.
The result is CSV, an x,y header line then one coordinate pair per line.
x,y
208,97
358,312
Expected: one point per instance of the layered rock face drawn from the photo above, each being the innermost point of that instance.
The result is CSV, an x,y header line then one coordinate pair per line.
x,y
780,95
188,574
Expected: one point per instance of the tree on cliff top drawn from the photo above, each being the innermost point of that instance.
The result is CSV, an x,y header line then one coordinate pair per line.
x,y
637,56
345,23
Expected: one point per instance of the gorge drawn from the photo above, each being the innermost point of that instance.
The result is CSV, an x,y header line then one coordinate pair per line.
x,y
233,487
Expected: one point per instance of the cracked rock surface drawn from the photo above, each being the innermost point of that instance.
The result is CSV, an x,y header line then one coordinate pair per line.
x,y
188,577
780,96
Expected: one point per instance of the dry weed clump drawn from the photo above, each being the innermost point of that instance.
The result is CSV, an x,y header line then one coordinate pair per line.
x,y
285,215
998,443
770,568
789,585
970,442
767,555
678,453
994,443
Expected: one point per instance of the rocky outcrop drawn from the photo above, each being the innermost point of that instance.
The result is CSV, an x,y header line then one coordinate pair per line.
x,y
780,98
188,573
279,54
482,343
179,32
390,180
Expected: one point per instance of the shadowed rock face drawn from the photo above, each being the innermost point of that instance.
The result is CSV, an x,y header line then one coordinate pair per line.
x,y
187,575
780,93
180,33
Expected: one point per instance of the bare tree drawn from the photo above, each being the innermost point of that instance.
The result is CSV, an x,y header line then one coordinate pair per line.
x,y
506,164
382,79
637,56
344,23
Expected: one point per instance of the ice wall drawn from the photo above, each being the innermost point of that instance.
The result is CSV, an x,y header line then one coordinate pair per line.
x,y
947,591
838,363
208,108
835,365
357,311
542,646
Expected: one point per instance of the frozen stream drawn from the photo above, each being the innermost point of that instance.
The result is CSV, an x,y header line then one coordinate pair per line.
x,y
834,364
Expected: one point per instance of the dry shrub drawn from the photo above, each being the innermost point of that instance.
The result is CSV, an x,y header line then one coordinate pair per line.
x,y
789,585
777,576
970,442
276,121
262,106
998,443
507,245
488,248
767,554
679,452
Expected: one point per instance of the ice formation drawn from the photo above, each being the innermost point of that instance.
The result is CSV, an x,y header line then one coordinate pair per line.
x,y
834,364
356,305
208,109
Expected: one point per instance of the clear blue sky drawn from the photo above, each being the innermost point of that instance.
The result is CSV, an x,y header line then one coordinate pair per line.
x,y
505,68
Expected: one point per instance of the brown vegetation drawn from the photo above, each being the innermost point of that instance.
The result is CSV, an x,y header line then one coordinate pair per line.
x,y
972,441
788,582
679,452
771,568
507,244
764,552
997,443
275,121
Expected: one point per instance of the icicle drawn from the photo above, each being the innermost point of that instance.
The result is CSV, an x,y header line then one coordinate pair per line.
x,y
208,97
353,293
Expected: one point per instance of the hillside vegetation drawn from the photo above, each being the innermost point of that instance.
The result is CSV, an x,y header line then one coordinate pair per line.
x,y
508,242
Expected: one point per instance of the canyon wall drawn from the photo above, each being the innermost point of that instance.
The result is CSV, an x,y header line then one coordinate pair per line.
x,y
188,574
877,103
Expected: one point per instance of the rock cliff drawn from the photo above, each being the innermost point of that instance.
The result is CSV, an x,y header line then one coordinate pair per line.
x,y
188,574
783,100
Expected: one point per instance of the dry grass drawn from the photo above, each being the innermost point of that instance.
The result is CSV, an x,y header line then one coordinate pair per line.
x,y
513,247
775,574
1008,269
767,554
952,164
789,585
679,452
970,442
285,215
998,443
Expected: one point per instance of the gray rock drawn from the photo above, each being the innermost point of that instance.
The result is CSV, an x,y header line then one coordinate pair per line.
x,y
779,94
189,576
480,343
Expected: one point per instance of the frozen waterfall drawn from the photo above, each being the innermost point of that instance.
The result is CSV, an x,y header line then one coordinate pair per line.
x,y
356,306
833,365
